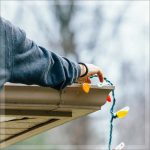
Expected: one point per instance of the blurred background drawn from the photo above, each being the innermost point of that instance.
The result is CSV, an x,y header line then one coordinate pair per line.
x,y
111,34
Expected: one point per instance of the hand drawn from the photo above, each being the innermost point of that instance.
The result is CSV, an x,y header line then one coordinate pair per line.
x,y
92,70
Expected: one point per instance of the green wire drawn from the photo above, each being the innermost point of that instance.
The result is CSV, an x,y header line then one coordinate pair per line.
x,y
111,112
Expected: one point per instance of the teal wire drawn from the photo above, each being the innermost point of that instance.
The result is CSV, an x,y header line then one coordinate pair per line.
x,y
112,115
111,112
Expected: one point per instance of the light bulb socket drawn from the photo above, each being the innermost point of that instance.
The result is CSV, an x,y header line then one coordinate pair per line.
x,y
115,116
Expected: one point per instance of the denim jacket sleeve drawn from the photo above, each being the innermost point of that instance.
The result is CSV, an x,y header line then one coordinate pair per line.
x,y
33,64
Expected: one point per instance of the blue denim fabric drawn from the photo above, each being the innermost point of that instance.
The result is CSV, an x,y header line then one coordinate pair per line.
x,y
22,61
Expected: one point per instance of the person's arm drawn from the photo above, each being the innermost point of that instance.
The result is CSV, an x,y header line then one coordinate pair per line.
x,y
32,64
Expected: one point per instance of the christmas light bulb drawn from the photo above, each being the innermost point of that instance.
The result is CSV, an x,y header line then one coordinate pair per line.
x,y
120,146
122,113
108,98
86,87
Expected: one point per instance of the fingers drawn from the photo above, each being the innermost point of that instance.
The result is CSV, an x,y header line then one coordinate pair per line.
x,y
100,76
96,70
88,80
84,79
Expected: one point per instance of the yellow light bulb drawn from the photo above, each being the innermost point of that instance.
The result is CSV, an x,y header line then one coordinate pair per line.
x,y
86,87
123,112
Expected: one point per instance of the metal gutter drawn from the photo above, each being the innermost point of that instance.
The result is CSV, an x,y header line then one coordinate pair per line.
x,y
33,109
